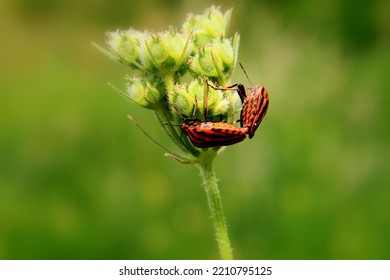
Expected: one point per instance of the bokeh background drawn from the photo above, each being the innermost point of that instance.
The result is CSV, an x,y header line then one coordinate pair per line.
x,y
79,181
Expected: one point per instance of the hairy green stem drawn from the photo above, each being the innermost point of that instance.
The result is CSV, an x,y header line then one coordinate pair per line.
x,y
215,204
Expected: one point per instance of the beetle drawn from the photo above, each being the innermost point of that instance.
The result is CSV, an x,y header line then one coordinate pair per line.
x,y
254,105
254,108
212,134
209,134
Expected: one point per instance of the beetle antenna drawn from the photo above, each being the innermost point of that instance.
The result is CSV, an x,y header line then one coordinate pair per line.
x,y
242,67
177,111
148,135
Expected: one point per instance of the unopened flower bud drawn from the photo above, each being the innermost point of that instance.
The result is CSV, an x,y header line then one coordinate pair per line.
x,y
206,63
182,100
224,49
165,53
155,53
176,46
211,24
125,46
217,60
144,92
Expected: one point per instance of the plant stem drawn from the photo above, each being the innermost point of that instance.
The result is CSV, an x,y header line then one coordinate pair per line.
x,y
215,204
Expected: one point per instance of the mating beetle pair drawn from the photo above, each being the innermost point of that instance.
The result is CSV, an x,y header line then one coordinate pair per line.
x,y
212,134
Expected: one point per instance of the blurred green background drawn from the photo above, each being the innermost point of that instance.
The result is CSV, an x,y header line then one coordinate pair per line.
x,y
79,181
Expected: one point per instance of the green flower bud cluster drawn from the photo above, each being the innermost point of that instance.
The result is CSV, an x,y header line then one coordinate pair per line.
x,y
156,53
185,95
202,49
214,56
216,60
